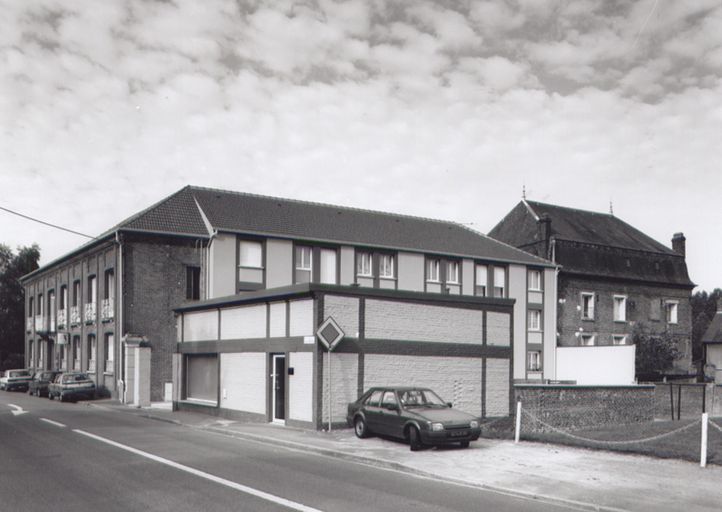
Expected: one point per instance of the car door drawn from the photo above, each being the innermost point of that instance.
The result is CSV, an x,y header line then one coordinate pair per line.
x,y
372,411
391,421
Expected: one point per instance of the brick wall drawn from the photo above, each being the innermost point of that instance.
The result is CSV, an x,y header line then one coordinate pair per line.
x,y
584,407
639,306
154,282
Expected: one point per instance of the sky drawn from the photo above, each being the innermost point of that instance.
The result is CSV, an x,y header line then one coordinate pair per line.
x,y
441,109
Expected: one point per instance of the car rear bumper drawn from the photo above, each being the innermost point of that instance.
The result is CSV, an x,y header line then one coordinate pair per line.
x,y
11,386
77,394
450,436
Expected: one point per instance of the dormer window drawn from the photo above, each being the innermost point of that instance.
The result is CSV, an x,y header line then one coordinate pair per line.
x,y
304,264
386,266
452,272
433,267
364,264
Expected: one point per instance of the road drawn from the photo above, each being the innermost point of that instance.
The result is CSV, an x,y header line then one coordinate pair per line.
x,y
69,457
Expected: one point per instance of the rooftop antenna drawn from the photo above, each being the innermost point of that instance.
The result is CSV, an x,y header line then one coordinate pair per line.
x,y
523,191
611,209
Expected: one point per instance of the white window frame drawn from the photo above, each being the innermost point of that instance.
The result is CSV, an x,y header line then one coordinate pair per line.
x,y
452,277
481,270
386,266
364,264
619,313
500,282
582,307
534,361
250,258
534,320
619,339
535,280
433,270
587,340
671,311
109,346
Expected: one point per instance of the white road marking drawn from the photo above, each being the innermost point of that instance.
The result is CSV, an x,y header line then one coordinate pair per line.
x,y
57,424
228,483
18,410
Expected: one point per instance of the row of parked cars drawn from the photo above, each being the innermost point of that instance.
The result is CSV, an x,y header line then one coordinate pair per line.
x,y
71,385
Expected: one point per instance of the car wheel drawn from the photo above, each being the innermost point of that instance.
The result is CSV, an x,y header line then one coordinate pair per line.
x,y
464,444
359,426
414,439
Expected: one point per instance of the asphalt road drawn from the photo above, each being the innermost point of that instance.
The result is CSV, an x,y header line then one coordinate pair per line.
x,y
69,457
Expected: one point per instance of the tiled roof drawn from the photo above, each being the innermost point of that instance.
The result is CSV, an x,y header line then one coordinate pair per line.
x,y
249,213
713,334
595,228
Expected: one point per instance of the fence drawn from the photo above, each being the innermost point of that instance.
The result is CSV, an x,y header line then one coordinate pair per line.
x,y
678,401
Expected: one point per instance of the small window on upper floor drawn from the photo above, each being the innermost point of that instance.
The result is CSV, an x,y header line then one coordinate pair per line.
x,y
433,268
193,283
304,264
534,320
40,305
76,293
482,280
386,266
364,264
250,254
63,298
587,306
452,272
620,308
672,308
92,290
30,307
109,284
499,282
533,361
535,280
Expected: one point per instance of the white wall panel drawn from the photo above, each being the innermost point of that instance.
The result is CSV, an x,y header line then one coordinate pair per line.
x,y
300,386
301,318
243,382
606,365
345,311
243,322
498,330
278,320
497,387
200,326
344,379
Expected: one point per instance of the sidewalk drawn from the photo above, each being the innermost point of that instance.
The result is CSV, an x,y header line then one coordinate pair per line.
x,y
592,480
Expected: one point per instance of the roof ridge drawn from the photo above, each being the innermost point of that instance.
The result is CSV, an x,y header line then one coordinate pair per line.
x,y
571,208
327,205
527,254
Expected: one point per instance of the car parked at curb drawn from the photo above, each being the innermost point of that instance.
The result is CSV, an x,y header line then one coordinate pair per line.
x,y
416,415
41,381
72,386
15,379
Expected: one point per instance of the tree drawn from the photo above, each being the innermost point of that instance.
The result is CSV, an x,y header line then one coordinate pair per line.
x,y
704,307
655,353
12,298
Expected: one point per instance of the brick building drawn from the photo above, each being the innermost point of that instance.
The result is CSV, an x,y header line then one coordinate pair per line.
x,y
228,290
612,279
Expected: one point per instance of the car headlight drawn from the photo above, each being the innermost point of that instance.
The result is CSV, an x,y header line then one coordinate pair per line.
x,y
474,424
437,427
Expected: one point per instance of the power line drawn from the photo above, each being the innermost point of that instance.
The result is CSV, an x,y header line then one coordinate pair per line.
x,y
46,223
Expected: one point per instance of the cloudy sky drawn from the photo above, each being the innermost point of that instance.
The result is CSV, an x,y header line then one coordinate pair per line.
x,y
439,109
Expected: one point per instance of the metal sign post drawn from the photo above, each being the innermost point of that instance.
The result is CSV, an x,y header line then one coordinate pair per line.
x,y
330,334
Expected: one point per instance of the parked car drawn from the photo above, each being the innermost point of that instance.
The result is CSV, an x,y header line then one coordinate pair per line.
x,y
41,380
15,379
71,386
416,415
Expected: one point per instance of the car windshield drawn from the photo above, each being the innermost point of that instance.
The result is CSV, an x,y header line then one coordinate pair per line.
x,y
74,377
19,373
421,398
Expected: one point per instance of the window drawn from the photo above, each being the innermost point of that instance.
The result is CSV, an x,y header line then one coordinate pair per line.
x,y
30,307
92,290
364,264
499,282
91,352
40,305
51,309
452,272
655,310
535,280
374,398
76,352
304,264
533,361
620,308
386,266
328,266
619,339
432,270
388,399
63,357
193,283
587,306
534,323
202,378
109,349
63,299
109,285
250,254
481,280
587,340
76,293
31,351
672,310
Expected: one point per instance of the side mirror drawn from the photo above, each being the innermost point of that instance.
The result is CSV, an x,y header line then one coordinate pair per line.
x,y
449,405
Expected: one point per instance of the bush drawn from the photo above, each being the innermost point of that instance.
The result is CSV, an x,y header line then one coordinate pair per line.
x,y
655,354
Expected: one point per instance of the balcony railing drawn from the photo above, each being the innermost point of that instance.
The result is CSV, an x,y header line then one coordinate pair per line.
x,y
62,318
89,315
29,324
41,324
74,315
106,310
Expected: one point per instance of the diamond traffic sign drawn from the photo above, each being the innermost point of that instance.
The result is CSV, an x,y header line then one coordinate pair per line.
x,y
329,333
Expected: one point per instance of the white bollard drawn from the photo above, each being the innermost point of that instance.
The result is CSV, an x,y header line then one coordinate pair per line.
x,y
518,422
703,449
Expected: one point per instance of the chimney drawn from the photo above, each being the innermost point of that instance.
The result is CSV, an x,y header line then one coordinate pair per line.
x,y
545,233
679,244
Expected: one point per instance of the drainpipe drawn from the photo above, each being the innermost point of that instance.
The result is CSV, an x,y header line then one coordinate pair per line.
x,y
119,318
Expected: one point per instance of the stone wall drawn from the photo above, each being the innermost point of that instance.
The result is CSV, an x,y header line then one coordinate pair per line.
x,y
584,407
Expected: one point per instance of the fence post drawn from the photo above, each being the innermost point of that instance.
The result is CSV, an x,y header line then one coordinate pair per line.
x,y
703,448
671,400
518,422
679,401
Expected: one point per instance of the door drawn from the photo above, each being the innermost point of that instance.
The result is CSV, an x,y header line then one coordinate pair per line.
x,y
390,419
278,387
49,361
